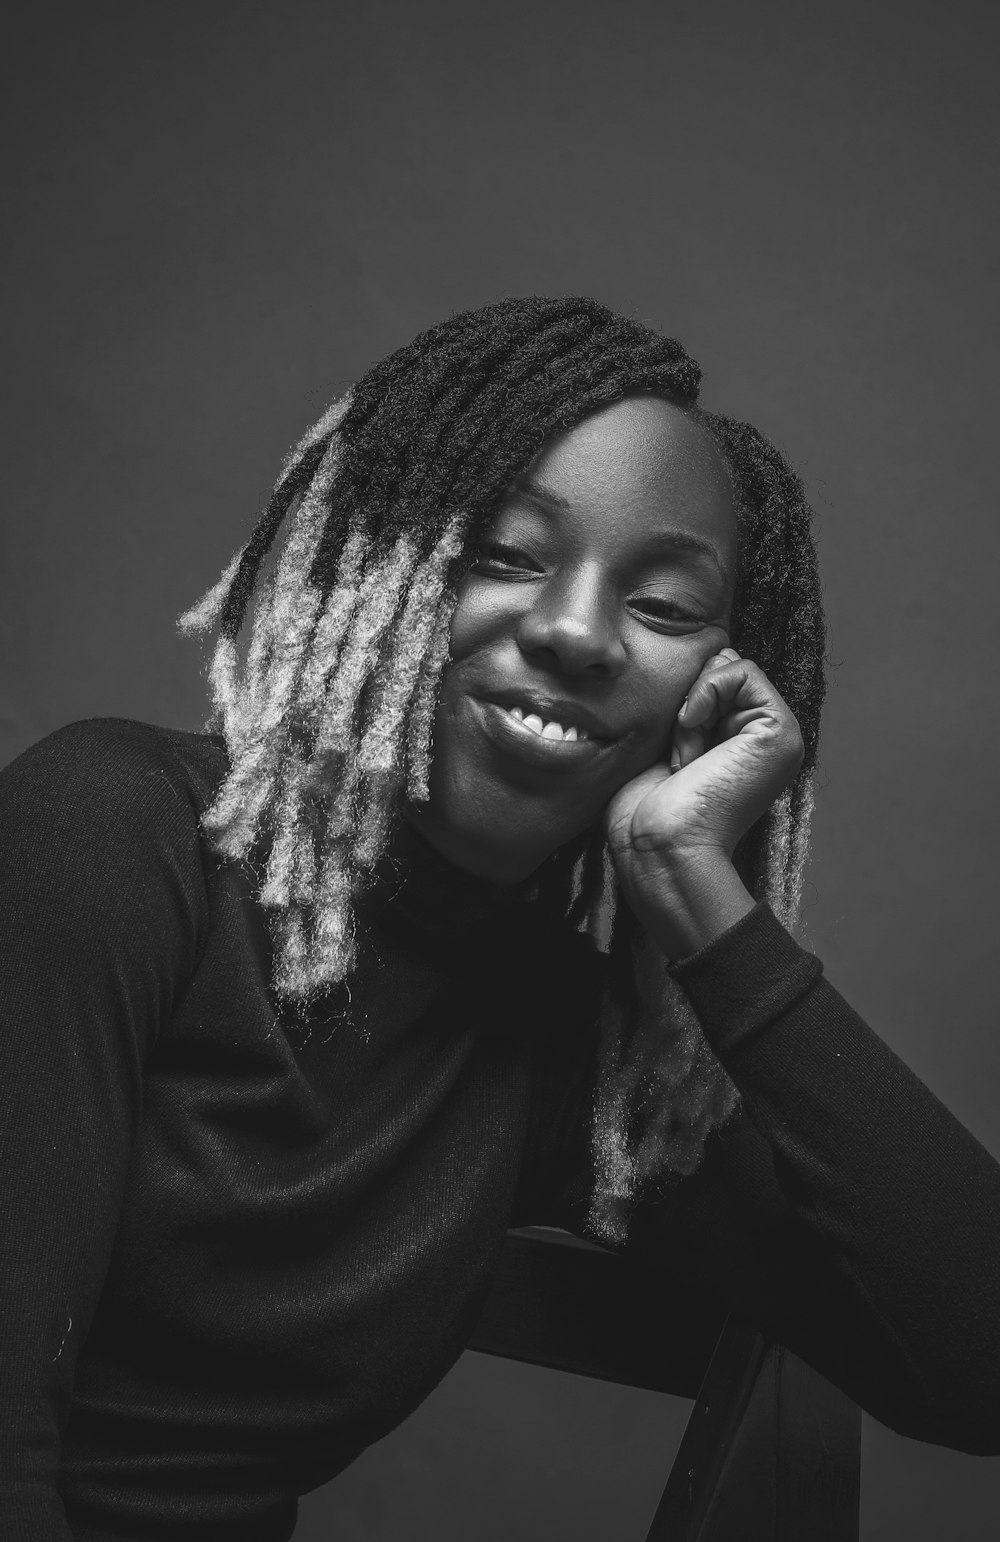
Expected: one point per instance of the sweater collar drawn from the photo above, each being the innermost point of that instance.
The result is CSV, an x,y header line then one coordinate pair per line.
x,y
418,885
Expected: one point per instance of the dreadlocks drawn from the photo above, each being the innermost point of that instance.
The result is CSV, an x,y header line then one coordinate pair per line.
x,y
329,723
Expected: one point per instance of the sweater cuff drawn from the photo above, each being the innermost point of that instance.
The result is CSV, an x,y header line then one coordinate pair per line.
x,y
746,978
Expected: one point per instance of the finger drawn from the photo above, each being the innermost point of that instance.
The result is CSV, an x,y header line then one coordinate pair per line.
x,y
717,661
690,739
688,744
722,685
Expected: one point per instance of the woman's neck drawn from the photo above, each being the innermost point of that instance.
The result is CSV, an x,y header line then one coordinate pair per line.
x,y
498,866
416,878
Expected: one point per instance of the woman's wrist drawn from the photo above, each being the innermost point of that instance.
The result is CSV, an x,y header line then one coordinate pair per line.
x,y
697,896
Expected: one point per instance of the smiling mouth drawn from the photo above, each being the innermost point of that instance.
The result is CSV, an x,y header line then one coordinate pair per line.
x,y
527,738
547,730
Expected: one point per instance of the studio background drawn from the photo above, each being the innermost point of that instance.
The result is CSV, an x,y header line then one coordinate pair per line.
x,y
221,213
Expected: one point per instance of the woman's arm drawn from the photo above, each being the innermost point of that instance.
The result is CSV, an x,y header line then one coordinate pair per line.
x,y
849,1212
864,1230
97,932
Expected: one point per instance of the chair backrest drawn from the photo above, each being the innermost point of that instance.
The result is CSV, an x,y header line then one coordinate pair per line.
x,y
771,1451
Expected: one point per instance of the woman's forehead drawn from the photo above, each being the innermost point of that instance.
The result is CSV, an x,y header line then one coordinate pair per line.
x,y
640,429
642,456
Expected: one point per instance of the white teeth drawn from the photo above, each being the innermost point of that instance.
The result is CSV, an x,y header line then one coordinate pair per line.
x,y
546,730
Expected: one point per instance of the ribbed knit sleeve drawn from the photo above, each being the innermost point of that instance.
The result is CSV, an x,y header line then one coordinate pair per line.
x,y
101,912
847,1210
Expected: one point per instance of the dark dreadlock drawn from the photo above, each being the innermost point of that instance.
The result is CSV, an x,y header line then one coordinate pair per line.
x,y
329,724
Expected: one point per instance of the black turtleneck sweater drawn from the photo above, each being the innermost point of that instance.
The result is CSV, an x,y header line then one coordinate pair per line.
x,y
240,1243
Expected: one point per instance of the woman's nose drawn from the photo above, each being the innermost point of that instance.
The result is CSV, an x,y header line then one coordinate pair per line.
x,y
575,625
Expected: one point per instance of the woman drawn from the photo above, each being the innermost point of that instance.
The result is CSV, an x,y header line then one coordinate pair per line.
x,y
463,913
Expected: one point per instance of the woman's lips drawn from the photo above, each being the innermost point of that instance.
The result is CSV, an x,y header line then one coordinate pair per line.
x,y
529,747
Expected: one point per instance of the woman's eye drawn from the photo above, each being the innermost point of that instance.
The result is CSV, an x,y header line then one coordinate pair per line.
x,y
670,613
503,556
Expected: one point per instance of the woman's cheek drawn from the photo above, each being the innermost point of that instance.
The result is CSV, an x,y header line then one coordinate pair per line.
x,y
710,641
689,659
673,685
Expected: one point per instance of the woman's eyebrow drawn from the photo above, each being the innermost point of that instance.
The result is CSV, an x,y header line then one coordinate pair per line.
x,y
687,541
540,494
668,539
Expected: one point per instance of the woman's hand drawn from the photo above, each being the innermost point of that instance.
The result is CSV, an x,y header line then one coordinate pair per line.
x,y
672,829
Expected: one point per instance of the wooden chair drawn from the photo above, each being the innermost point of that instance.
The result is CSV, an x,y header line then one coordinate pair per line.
x,y
771,1451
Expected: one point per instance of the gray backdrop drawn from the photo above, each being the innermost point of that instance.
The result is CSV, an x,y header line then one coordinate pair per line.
x,y
222,212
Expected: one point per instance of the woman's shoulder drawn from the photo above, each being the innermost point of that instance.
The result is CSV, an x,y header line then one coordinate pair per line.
x,y
111,795
101,850
113,762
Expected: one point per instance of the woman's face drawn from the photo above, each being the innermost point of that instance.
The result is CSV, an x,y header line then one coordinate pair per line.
x,y
600,589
